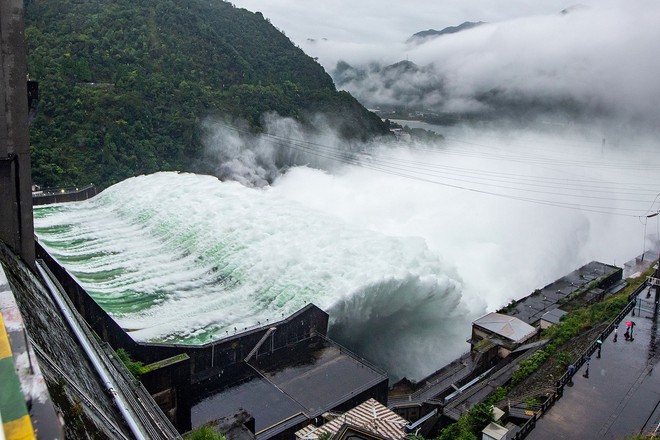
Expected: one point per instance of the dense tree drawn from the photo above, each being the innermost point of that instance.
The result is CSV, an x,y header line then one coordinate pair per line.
x,y
124,84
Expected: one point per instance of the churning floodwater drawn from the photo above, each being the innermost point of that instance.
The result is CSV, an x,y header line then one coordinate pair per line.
x,y
402,260
187,258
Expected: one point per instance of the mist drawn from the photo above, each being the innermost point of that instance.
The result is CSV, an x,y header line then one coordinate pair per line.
x,y
504,210
550,163
596,60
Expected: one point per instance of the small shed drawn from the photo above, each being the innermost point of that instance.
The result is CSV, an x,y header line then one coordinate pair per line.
x,y
551,318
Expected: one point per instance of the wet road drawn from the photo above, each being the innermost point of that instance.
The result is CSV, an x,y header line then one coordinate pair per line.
x,y
620,396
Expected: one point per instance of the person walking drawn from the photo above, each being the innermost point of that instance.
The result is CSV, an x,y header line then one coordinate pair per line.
x,y
586,372
571,372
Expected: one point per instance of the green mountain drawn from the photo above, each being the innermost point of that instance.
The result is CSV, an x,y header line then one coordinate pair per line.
x,y
124,84
423,36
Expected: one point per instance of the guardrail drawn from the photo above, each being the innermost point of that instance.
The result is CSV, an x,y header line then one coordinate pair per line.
x,y
581,359
62,195
362,360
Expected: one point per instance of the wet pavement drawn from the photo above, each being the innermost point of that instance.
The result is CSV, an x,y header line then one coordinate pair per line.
x,y
621,395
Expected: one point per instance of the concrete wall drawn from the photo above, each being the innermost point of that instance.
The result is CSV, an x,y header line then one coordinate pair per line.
x,y
613,278
204,359
46,198
16,228
168,384
63,363
207,366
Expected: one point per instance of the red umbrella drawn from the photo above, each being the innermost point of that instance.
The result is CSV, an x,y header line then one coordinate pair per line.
x,y
629,323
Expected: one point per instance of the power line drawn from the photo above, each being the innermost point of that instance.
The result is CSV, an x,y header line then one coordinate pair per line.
x,y
483,181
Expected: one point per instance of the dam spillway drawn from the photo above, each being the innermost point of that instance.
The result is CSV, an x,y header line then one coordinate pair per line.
x,y
183,258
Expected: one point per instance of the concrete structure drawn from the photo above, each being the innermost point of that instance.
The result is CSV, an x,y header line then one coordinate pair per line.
x,y
292,388
62,195
76,385
16,227
370,416
551,317
494,432
283,373
578,284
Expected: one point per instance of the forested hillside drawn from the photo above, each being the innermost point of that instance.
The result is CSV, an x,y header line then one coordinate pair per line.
x,y
125,84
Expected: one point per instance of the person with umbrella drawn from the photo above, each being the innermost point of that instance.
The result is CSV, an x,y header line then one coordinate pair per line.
x,y
631,326
628,333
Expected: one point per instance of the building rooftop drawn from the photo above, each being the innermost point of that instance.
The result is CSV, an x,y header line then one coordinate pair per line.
x,y
530,308
268,405
370,415
553,316
326,374
292,388
508,327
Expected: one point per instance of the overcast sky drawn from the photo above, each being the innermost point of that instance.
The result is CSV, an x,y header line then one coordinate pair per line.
x,y
381,22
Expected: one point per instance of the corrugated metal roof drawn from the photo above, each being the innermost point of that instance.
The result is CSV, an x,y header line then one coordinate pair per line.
x,y
508,326
370,415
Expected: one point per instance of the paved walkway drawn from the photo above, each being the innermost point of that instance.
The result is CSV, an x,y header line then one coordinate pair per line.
x,y
620,397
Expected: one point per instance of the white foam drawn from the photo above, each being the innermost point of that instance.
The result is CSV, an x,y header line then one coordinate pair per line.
x,y
211,256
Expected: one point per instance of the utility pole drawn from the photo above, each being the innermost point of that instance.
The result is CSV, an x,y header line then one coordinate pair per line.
x,y
16,222
656,284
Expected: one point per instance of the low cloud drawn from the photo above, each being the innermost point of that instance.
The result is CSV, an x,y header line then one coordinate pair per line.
x,y
599,59
234,152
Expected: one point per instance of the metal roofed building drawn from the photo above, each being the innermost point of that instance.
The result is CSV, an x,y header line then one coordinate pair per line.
x,y
506,332
370,415
551,318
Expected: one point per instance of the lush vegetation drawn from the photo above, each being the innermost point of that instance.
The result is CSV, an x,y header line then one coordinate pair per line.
x,y
204,432
573,324
470,425
124,85
136,368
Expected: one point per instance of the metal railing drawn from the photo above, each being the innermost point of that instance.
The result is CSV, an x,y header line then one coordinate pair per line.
x,y
143,416
581,359
60,190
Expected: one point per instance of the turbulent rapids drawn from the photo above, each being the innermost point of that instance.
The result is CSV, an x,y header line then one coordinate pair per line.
x,y
188,258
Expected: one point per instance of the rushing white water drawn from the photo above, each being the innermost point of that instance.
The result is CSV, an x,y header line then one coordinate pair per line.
x,y
182,257
402,260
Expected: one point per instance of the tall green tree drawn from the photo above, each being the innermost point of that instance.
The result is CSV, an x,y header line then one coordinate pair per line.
x,y
125,84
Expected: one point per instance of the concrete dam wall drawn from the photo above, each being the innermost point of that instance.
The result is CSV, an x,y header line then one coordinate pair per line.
x,y
74,386
176,372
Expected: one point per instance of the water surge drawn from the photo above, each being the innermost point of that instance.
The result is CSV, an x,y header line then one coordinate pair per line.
x,y
188,258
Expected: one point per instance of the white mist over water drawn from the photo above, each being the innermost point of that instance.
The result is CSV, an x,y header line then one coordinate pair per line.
x,y
181,257
402,264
